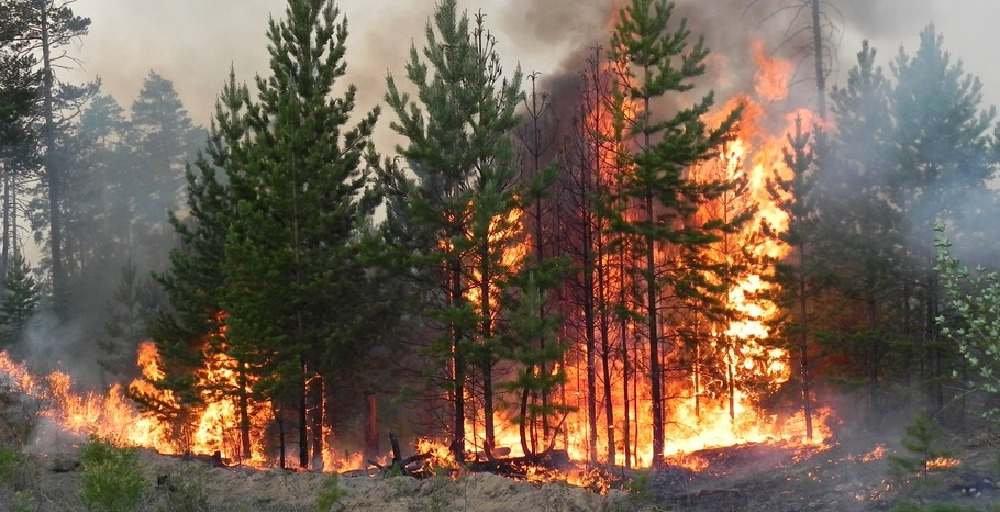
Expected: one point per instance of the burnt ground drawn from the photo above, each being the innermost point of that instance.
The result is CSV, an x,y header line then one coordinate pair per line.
x,y
747,478
847,477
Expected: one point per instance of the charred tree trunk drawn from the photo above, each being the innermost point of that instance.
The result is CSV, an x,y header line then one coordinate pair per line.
x,y
303,420
245,452
652,326
605,353
524,420
486,364
458,361
804,344
588,311
281,438
318,421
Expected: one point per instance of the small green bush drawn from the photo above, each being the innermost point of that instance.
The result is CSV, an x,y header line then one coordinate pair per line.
x,y
110,480
184,494
922,442
10,460
23,501
330,494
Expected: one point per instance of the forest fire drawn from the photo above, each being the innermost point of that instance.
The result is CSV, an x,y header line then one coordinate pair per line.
x,y
719,376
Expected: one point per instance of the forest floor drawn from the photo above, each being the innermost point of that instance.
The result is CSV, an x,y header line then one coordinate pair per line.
x,y
748,478
850,476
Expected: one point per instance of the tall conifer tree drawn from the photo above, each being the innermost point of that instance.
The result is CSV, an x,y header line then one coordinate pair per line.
x,y
661,60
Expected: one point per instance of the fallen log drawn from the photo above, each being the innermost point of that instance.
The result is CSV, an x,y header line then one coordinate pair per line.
x,y
518,466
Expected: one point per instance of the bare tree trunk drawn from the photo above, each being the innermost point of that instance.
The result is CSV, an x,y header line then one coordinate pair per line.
x,y
817,31
281,437
588,290
303,421
458,360
486,365
8,181
371,427
803,345
245,453
318,407
52,172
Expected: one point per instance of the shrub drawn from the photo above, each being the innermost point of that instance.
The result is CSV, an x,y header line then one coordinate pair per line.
x,y
921,441
184,494
10,460
330,494
110,480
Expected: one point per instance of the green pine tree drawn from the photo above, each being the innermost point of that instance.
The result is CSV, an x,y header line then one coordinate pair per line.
x,y
860,235
129,311
459,207
20,299
184,333
660,60
943,142
291,252
162,137
922,443
796,276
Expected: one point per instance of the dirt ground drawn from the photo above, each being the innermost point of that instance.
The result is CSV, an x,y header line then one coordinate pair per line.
x,y
755,478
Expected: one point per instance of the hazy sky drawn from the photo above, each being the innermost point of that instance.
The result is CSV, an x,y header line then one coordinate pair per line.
x,y
193,42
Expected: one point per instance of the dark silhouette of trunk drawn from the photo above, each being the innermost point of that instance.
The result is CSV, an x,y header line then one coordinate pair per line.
x,y
535,111
524,421
458,362
371,427
731,384
588,310
303,421
803,344
626,425
318,421
245,453
609,415
8,182
486,364
652,322
817,33
281,438
52,172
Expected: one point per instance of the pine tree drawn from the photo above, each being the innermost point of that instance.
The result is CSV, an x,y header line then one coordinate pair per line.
x,y
183,334
459,150
129,311
943,139
861,232
529,339
20,299
291,253
922,442
661,60
163,136
47,26
796,277
19,87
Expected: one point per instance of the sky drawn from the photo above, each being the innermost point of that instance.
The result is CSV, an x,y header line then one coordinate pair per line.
x,y
194,42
